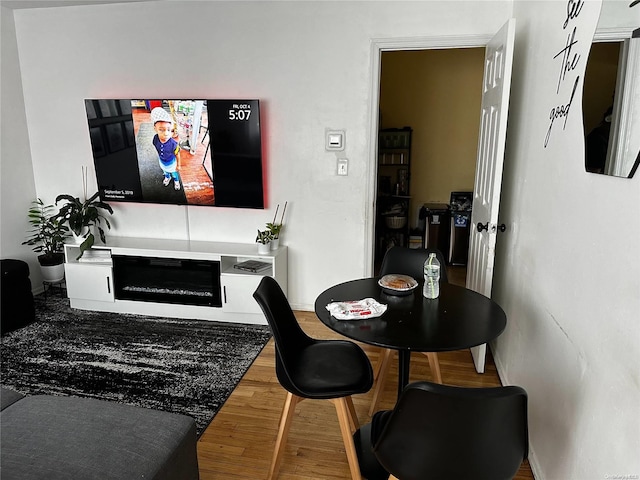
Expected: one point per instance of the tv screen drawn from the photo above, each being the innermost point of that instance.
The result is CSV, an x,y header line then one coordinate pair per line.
x,y
181,152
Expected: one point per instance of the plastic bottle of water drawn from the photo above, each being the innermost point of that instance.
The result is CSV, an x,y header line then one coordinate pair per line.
x,y
431,287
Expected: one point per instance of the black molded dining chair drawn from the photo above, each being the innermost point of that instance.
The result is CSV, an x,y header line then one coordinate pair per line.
x,y
410,261
310,368
444,432
405,261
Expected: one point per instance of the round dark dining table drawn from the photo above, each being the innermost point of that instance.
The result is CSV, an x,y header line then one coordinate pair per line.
x,y
458,319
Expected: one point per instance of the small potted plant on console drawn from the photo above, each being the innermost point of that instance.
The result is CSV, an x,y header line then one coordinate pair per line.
x,y
47,236
263,239
275,228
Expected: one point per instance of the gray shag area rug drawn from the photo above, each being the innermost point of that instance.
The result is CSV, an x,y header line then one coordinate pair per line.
x,y
181,366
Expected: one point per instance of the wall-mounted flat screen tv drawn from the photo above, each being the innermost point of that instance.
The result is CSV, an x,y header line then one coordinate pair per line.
x,y
180,152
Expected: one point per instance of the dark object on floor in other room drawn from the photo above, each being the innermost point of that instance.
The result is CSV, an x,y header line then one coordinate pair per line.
x,y
313,369
17,306
440,431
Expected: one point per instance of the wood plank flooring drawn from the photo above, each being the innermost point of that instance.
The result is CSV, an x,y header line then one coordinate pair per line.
x,y
239,442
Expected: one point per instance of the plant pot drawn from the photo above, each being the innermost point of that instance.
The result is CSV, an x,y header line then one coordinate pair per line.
x,y
84,233
275,243
264,248
52,267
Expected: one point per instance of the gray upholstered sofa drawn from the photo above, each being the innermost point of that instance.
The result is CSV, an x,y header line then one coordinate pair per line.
x,y
53,437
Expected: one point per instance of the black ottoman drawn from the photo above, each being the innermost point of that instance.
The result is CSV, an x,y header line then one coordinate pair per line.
x,y
17,307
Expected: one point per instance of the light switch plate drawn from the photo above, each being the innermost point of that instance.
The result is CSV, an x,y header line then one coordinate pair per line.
x,y
343,166
335,140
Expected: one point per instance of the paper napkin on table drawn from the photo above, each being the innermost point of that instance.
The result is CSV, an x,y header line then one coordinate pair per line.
x,y
356,309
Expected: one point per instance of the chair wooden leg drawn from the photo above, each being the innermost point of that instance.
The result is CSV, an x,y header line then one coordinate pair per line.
x,y
344,414
353,416
434,365
285,424
378,367
383,368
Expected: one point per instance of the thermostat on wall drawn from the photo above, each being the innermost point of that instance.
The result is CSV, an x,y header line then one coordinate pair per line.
x,y
335,140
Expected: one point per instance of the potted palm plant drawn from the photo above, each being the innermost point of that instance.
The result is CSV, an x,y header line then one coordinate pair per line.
x,y
47,235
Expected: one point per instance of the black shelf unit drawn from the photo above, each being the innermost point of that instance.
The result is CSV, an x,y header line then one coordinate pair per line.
x,y
393,195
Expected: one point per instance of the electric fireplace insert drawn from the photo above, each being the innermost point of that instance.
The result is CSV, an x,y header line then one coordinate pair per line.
x,y
167,280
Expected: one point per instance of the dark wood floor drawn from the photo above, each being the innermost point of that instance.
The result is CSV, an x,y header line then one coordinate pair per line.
x,y
239,442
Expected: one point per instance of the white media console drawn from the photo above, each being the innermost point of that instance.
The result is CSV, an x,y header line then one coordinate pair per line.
x,y
171,278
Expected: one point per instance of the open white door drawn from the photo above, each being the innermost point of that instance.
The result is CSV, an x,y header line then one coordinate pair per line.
x,y
496,86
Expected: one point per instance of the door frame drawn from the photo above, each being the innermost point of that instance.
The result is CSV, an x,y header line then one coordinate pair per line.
x,y
627,83
379,45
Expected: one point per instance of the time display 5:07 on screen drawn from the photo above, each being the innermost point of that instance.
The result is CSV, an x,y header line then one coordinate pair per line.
x,y
240,112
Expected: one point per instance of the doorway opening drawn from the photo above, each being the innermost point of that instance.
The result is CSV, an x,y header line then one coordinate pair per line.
x,y
436,93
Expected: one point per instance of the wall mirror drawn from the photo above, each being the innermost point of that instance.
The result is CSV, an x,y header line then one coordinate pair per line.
x,y
611,103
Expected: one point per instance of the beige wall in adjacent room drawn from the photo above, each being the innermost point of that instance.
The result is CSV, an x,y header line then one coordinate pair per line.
x,y
438,94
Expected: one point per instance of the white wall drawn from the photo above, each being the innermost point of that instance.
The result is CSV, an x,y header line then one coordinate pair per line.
x,y
309,64
17,187
567,272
